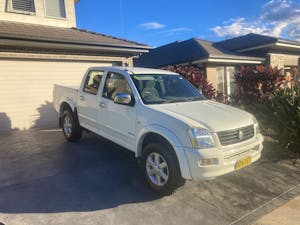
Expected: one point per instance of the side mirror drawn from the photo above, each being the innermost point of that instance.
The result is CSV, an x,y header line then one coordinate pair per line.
x,y
123,99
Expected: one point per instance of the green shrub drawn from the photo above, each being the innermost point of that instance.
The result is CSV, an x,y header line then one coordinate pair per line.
x,y
281,113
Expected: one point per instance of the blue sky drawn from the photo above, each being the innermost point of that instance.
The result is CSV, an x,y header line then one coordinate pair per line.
x,y
158,22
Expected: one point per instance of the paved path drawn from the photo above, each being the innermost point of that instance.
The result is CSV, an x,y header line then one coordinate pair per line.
x,y
45,180
287,214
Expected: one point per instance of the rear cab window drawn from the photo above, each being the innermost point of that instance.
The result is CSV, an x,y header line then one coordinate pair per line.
x,y
93,81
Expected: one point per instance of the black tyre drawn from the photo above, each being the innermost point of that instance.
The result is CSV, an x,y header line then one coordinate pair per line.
x,y
161,168
70,126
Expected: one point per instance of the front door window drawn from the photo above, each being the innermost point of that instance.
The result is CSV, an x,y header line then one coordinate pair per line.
x,y
115,84
220,79
225,81
230,71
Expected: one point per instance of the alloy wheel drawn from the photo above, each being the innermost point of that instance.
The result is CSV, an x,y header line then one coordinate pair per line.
x,y
67,125
157,169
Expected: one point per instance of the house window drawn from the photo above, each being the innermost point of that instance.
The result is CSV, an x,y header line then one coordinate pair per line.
x,y
55,8
21,6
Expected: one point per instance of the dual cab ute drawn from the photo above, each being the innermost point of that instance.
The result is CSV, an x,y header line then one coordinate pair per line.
x,y
175,132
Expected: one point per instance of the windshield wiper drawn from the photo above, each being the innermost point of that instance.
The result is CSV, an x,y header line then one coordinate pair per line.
x,y
189,99
174,100
196,98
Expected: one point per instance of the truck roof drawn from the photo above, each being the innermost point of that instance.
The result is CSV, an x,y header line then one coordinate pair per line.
x,y
137,70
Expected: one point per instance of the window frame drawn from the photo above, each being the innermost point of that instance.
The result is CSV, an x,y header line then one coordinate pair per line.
x,y
87,78
10,8
55,17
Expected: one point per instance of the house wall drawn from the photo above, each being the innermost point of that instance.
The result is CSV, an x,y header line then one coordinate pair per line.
x,y
290,64
40,17
281,60
211,73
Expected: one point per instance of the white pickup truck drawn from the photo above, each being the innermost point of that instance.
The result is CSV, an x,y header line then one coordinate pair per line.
x,y
175,132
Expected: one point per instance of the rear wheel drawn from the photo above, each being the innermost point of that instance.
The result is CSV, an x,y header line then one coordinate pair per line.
x,y
70,126
161,168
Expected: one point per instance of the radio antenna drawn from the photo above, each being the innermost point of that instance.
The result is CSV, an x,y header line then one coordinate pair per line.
x,y
122,16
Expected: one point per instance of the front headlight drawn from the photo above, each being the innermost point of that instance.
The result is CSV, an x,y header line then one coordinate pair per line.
x,y
201,138
256,125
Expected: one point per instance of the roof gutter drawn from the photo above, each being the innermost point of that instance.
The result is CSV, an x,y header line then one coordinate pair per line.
x,y
71,45
230,60
17,37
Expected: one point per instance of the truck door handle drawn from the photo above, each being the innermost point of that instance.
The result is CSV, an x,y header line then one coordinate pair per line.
x,y
101,104
81,97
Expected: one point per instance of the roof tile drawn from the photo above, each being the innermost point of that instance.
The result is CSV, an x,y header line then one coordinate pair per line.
x,y
60,34
186,51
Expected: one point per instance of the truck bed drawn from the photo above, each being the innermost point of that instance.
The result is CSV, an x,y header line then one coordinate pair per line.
x,y
64,93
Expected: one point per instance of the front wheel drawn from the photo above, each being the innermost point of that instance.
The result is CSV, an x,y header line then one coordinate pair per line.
x,y
70,126
161,169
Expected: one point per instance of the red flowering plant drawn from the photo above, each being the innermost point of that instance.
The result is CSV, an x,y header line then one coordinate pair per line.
x,y
256,82
195,75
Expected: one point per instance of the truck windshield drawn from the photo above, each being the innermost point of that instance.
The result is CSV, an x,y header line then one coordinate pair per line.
x,y
165,88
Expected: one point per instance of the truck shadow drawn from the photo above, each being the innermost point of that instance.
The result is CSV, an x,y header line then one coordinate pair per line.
x,y
55,176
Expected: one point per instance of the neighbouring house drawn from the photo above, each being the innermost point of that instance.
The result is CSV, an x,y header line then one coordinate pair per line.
x,y
277,52
220,60
40,46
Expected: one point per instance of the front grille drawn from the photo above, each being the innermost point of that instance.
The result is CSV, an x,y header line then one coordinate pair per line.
x,y
230,137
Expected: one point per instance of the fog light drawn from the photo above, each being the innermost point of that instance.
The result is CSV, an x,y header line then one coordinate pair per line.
x,y
208,162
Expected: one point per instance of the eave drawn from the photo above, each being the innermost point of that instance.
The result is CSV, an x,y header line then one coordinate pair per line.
x,y
121,50
280,44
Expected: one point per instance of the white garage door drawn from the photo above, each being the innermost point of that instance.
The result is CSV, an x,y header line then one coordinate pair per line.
x,y
26,91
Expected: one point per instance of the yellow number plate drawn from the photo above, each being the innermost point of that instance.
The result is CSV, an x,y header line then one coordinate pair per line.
x,y
243,162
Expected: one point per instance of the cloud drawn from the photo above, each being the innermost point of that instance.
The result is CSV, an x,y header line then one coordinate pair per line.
x,y
239,26
175,31
152,26
277,18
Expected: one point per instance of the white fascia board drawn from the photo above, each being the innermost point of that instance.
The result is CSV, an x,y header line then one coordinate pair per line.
x,y
287,45
29,43
235,61
220,60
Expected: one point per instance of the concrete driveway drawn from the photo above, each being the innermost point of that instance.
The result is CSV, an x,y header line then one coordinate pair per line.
x,y
45,180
